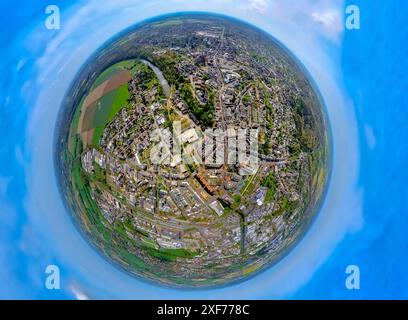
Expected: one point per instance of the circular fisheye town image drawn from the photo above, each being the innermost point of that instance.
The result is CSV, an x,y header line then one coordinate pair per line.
x,y
193,150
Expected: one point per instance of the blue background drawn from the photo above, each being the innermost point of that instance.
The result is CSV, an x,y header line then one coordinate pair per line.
x,y
373,65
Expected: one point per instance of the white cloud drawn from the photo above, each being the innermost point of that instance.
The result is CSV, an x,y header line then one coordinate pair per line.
x,y
258,5
330,20
370,136
326,18
78,293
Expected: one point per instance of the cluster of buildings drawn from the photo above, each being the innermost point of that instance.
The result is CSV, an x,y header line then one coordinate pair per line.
x,y
219,210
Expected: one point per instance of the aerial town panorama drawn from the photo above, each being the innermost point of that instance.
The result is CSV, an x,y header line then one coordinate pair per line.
x,y
193,150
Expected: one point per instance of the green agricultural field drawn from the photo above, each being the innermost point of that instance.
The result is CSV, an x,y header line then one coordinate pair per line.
x,y
174,22
108,106
112,71
73,132
121,98
106,75
103,107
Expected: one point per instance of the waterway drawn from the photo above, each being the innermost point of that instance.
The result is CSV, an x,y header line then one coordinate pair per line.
x,y
160,76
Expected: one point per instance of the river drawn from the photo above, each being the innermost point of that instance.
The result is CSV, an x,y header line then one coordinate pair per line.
x,y
159,75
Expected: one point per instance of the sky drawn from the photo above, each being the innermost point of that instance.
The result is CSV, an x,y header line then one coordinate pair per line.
x,y
36,230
